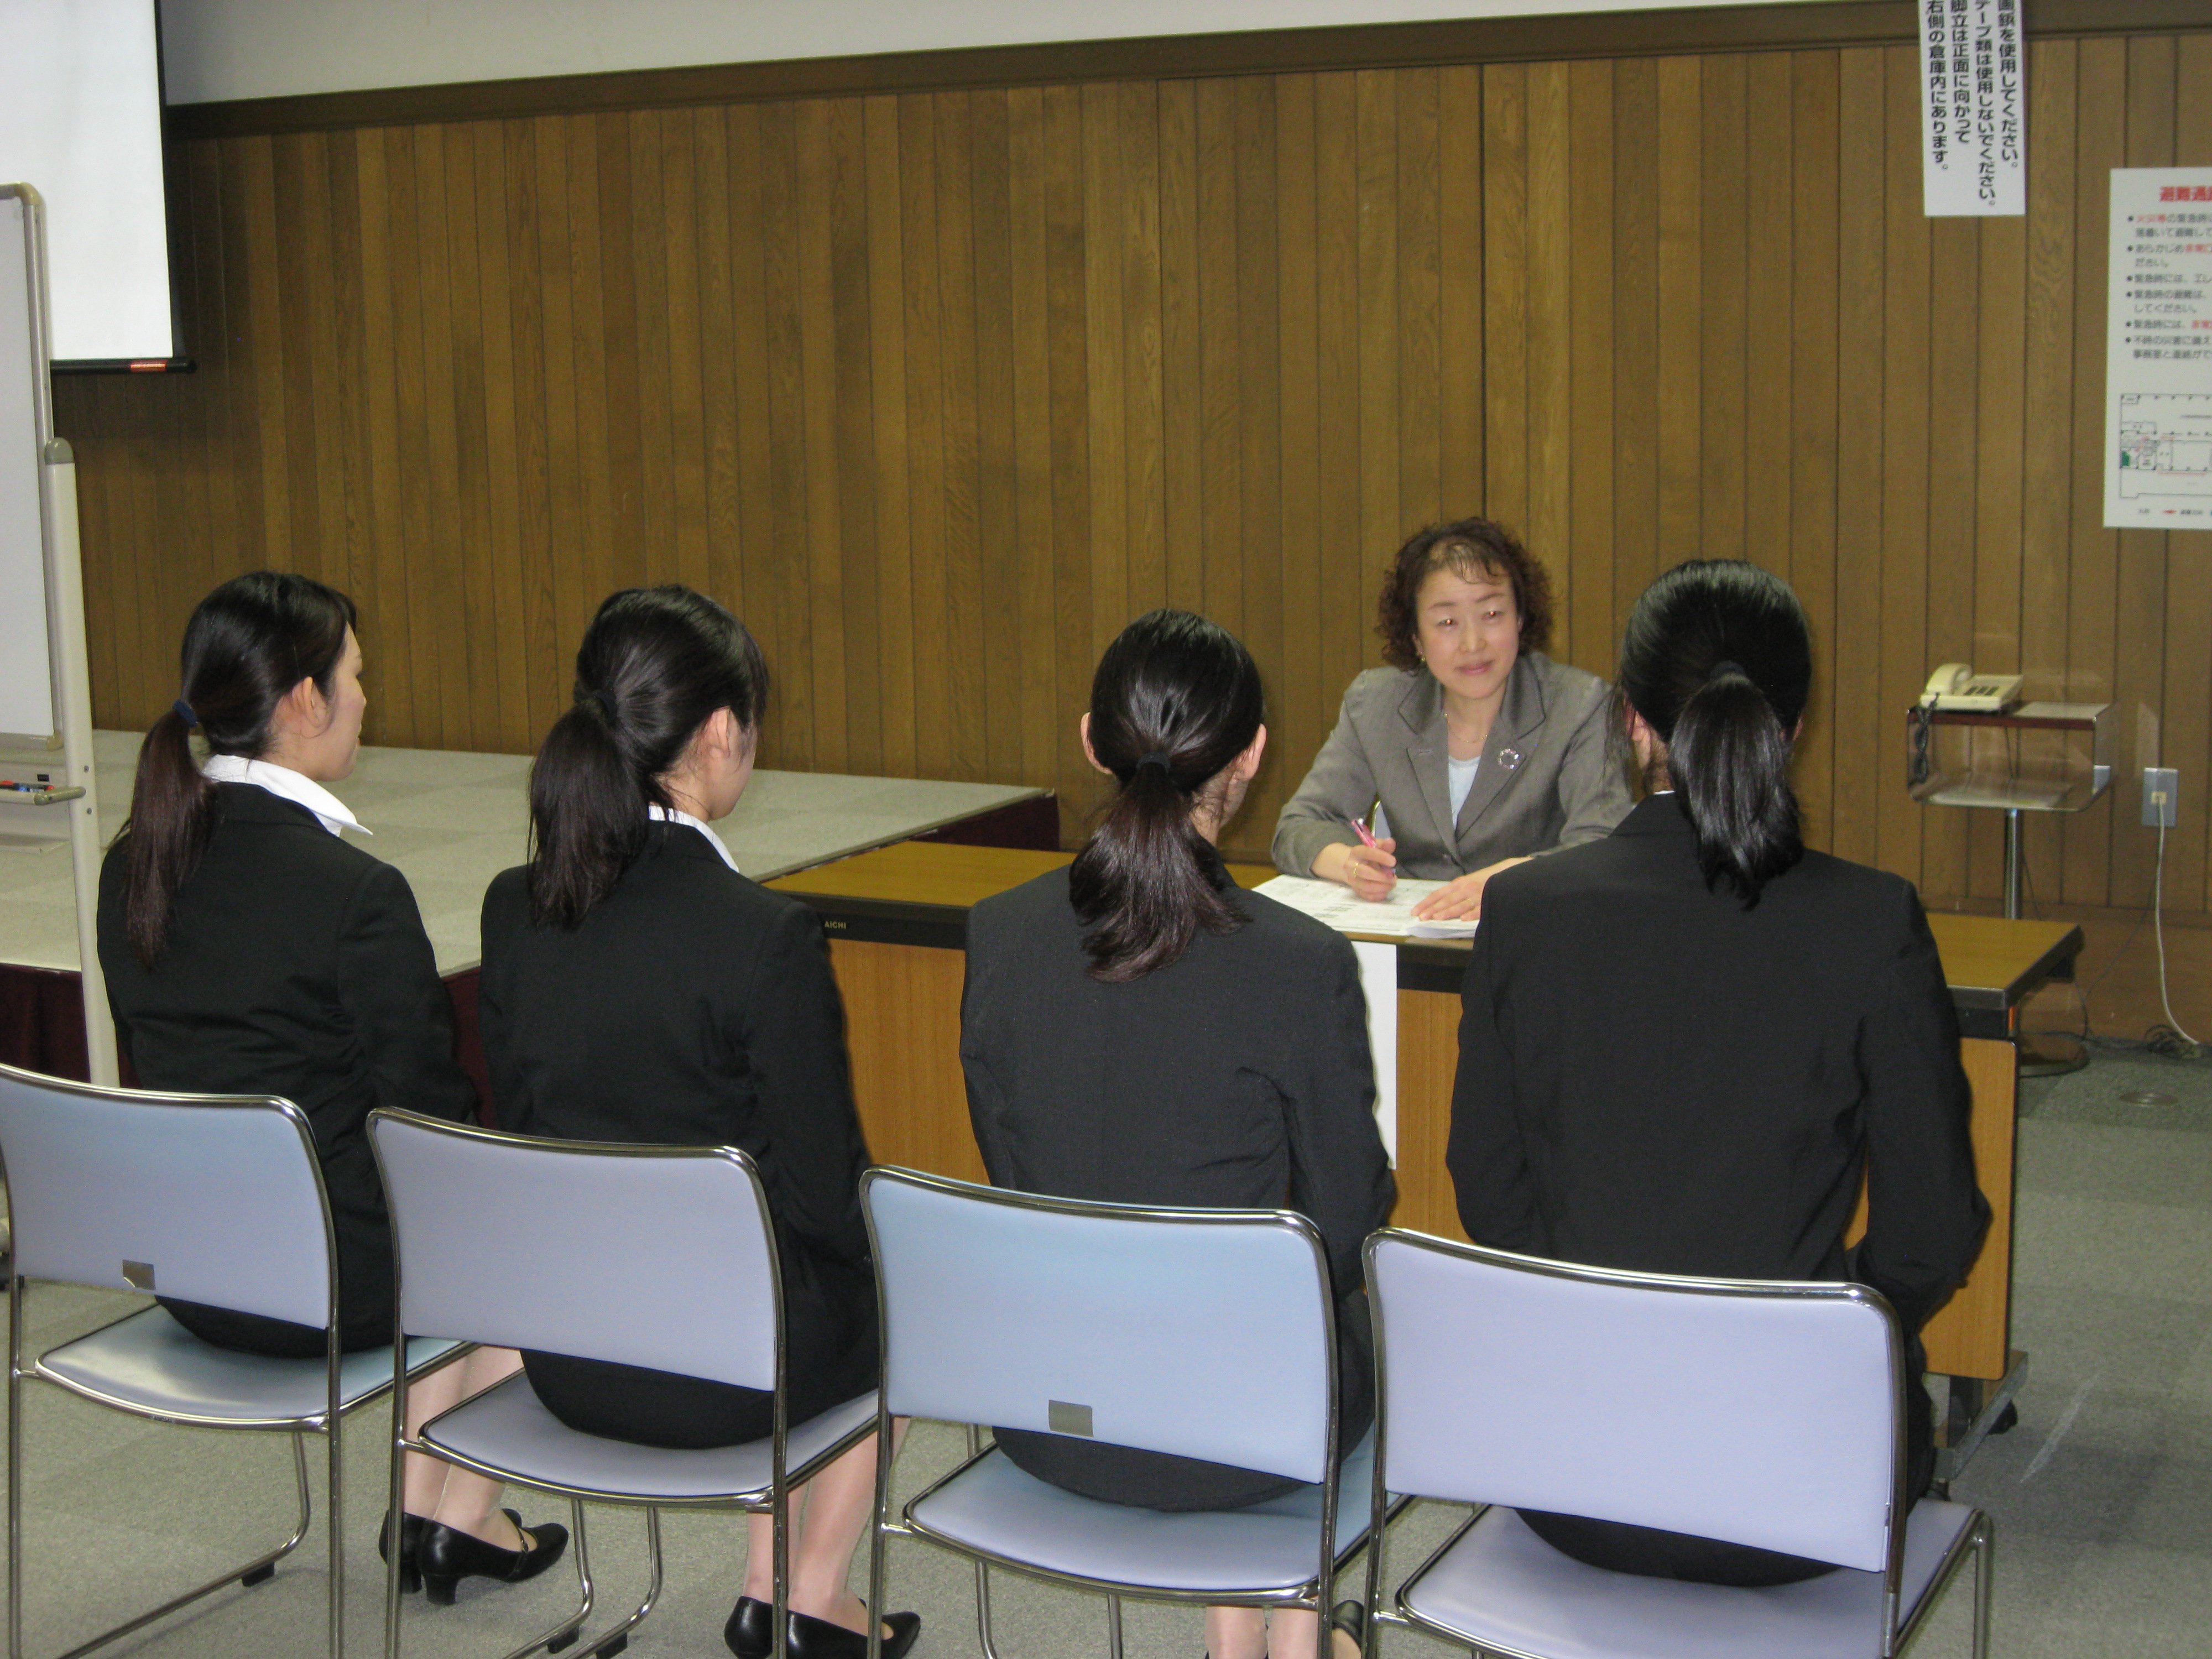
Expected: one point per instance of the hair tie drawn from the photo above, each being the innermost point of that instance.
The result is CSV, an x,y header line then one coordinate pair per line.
x,y
1723,668
605,703
184,713
1158,757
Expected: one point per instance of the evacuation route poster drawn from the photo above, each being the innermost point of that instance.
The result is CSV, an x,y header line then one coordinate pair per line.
x,y
2158,381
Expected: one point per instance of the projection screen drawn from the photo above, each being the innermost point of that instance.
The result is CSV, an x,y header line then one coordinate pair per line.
x,y
81,122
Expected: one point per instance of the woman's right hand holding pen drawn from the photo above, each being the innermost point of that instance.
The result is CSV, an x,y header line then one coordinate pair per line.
x,y
1369,869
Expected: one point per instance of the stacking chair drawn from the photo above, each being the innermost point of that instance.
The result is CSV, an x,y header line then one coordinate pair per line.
x,y
1137,1325
209,1198
1758,1413
660,1256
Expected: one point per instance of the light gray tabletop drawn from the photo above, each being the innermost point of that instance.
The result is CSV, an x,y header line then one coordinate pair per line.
x,y
452,821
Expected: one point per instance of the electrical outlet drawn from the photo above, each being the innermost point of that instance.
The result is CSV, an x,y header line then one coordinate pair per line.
x,y
2161,796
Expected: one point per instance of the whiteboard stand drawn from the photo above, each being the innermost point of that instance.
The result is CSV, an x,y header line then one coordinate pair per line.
x,y
37,511
73,703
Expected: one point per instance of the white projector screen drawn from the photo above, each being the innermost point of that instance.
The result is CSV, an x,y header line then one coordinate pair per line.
x,y
81,122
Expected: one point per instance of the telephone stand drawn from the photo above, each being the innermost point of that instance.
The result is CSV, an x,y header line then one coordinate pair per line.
x,y
2040,757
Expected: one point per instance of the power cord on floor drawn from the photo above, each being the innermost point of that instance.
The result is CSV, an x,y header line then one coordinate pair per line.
x,y
2169,1038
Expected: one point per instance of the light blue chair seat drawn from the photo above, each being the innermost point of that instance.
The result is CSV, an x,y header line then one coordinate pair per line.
x,y
505,1428
1134,1326
1504,1587
214,1198
993,1508
151,1364
693,1288
1753,1413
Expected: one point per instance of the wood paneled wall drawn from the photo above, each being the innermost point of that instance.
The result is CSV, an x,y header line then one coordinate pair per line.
x,y
938,389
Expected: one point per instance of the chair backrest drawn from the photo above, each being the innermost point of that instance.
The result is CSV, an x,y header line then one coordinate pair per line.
x,y
1758,1413
208,1198
1204,1332
660,1256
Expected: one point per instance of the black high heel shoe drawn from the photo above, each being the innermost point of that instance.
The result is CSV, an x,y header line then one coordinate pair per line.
x,y
748,1635
447,1555
410,1545
1351,1618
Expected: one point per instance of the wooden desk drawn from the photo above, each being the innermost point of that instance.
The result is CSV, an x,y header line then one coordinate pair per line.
x,y
897,920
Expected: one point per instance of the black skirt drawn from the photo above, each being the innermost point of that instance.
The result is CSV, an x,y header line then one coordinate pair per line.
x,y
830,1357
1651,1552
365,1311
1161,1480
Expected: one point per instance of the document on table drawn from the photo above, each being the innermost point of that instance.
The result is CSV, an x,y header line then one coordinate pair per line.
x,y
1346,912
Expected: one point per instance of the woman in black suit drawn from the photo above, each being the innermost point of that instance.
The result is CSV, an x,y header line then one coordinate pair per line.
x,y
1136,1029
1683,1043
249,950
636,988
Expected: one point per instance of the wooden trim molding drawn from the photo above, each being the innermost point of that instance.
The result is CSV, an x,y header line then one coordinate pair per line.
x,y
1558,37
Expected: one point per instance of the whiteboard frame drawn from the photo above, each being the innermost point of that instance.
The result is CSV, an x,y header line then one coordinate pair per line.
x,y
68,661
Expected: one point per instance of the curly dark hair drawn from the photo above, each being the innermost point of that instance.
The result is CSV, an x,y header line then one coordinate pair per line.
x,y
1470,547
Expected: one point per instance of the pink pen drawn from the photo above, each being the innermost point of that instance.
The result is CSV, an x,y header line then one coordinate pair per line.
x,y
1365,834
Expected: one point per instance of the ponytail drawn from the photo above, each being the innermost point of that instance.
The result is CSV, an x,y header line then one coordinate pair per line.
x,y
248,643
587,817
1717,661
172,818
1729,759
655,665
1176,700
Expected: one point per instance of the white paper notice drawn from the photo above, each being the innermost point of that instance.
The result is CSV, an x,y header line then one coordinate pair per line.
x,y
2158,373
1378,984
1973,107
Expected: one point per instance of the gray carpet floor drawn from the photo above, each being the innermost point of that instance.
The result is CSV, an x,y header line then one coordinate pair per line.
x,y
2102,1496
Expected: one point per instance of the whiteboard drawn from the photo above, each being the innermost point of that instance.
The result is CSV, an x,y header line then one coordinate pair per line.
x,y
27,686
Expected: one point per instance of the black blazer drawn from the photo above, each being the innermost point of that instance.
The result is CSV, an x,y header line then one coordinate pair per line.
x,y
296,965
1653,1078
1237,1076
692,1007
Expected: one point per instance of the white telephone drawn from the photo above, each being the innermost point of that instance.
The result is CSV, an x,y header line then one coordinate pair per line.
x,y
1956,689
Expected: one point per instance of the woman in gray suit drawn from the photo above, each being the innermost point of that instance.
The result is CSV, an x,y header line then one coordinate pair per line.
x,y
1480,750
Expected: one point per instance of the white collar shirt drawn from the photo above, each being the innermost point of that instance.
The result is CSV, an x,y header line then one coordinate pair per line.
x,y
285,784
673,815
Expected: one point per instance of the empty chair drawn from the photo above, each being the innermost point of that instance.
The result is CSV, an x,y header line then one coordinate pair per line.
x,y
1758,1413
1134,1326
217,1200
557,1258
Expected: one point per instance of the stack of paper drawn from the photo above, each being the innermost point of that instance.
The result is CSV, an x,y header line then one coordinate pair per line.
x,y
1345,911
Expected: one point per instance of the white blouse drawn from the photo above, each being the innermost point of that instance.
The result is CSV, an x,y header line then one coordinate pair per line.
x,y
283,782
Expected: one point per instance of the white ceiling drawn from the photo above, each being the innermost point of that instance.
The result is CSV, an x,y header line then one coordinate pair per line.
x,y
225,49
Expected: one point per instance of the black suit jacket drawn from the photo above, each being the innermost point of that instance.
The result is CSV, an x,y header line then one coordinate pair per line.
x,y
296,965
1237,1076
693,1007
1653,1078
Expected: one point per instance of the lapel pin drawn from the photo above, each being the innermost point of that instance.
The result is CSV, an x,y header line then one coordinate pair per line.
x,y
1509,758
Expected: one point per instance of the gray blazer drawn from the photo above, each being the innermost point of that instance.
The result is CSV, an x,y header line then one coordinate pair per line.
x,y
1548,778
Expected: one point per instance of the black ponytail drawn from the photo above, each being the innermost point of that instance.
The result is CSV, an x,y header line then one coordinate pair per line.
x,y
655,665
1176,700
247,645
1717,661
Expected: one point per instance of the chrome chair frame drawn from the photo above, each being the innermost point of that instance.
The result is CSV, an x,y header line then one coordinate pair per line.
x,y
771,1499
1974,1539
337,1398
1312,1595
